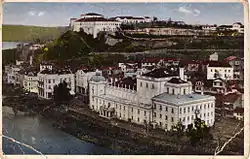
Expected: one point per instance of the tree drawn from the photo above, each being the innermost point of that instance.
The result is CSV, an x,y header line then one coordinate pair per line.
x,y
199,132
62,93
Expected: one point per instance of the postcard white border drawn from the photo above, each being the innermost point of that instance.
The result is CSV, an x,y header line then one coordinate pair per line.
x,y
246,88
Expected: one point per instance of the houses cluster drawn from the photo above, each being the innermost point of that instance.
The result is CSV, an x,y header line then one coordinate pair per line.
x,y
93,23
156,91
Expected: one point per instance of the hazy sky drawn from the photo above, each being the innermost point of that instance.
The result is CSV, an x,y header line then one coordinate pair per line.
x,y
58,14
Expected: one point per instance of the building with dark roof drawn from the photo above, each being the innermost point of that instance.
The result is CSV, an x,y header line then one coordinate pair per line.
x,y
93,23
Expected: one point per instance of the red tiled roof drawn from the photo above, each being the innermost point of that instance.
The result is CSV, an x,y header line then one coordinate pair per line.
x,y
231,97
230,58
218,64
239,110
101,19
95,14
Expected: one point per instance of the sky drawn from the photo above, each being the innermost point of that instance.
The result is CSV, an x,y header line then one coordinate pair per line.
x,y
58,14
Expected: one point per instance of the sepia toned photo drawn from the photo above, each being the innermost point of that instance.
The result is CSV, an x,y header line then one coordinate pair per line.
x,y
123,78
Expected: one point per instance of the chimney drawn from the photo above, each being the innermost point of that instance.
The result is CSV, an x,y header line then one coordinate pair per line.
x,y
181,73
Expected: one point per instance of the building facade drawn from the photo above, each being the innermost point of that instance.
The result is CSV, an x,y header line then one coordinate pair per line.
x,y
217,70
157,98
92,23
48,79
82,77
30,82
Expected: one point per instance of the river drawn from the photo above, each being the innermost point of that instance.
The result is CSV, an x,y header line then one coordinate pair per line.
x,y
10,45
40,134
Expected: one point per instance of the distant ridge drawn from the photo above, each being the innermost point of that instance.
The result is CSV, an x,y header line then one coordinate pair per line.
x,y
26,33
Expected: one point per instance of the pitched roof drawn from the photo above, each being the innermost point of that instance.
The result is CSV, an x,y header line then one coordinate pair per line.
x,y
99,19
176,81
239,110
230,58
218,64
160,73
91,14
231,97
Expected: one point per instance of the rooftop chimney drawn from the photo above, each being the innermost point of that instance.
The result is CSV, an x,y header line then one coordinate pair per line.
x,y
181,73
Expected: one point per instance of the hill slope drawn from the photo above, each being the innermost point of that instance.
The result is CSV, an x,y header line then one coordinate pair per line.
x,y
29,33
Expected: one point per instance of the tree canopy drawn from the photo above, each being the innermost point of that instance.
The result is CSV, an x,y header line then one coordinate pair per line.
x,y
62,93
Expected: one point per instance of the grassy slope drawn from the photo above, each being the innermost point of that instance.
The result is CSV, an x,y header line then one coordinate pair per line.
x,y
29,33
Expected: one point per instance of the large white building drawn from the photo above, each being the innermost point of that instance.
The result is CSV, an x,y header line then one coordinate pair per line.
x,y
159,98
219,70
238,27
92,23
30,81
47,79
82,77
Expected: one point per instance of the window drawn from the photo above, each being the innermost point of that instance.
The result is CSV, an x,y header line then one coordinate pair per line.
x,y
184,91
211,113
166,117
153,86
154,106
183,119
173,110
172,91
208,105
144,113
167,90
146,85
207,121
120,107
188,109
184,109
188,118
211,70
116,106
166,126
120,115
138,119
132,117
208,114
131,109
204,115
123,107
141,84
138,111
160,116
204,106
192,108
172,119
192,117
160,107
180,110
200,107
166,108
154,114
160,124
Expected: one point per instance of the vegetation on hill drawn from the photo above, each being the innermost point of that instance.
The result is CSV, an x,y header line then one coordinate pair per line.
x,y
76,46
23,33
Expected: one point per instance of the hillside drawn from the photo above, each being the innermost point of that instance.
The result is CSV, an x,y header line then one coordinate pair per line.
x,y
23,33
